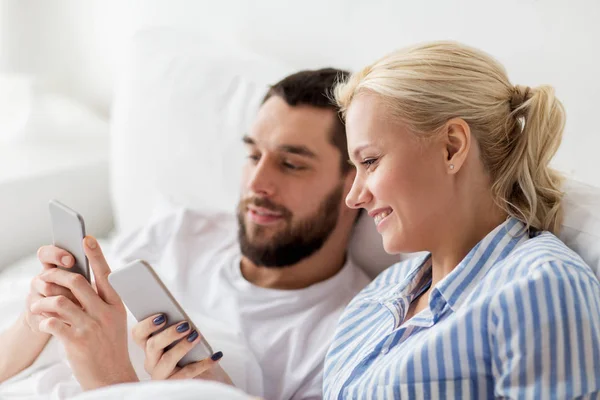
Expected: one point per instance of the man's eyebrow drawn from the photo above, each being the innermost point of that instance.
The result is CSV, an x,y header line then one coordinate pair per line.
x,y
299,150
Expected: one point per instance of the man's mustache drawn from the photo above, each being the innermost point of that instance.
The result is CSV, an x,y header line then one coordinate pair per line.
x,y
268,204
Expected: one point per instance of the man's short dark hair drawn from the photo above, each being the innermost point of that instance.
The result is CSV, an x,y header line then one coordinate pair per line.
x,y
313,88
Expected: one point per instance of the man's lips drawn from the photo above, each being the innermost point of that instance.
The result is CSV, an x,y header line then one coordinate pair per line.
x,y
263,216
263,211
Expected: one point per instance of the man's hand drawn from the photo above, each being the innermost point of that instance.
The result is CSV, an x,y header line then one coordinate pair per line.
x,y
162,364
50,257
91,325
15,356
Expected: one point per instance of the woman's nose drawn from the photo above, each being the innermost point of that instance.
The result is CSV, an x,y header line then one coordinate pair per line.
x,y
358,195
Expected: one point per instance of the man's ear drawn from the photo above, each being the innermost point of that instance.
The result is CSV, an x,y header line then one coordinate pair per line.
x,y
457,139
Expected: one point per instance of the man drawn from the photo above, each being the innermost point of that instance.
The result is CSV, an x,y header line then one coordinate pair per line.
x,y
269,297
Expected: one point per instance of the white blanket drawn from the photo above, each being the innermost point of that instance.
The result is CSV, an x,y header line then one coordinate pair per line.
x,y
174,390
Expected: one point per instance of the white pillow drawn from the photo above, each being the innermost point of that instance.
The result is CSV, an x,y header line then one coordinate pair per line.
x,y
181,107
581,226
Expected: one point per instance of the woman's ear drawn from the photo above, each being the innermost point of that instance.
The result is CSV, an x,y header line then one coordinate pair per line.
x,y
457,138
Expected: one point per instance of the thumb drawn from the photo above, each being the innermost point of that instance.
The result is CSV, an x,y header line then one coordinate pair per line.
x,y
101,270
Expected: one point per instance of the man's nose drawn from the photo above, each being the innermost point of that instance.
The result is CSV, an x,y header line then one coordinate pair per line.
x,y
262,180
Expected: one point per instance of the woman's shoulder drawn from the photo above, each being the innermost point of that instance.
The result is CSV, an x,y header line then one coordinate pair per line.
x,y
541,260
545,251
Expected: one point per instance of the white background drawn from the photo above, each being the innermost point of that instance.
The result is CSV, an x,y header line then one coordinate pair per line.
x,y
77,47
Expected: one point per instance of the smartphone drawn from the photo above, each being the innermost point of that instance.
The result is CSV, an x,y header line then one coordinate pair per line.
x,y
145,295
68,231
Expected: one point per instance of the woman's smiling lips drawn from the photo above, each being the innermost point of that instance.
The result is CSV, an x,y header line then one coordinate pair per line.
x,y
380,214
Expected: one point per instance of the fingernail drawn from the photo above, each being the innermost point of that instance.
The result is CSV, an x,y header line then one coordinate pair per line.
x,y
217,356
158,320
183,327
66,260
192,336
91,243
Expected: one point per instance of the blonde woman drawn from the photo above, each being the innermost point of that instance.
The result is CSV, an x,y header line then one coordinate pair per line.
x,y
452,159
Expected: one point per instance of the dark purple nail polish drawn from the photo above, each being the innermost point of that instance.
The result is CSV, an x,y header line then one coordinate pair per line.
x,y
217,356
158,320
183,327
192,336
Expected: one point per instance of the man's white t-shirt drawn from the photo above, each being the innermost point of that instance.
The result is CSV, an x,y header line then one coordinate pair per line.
x,y
274,341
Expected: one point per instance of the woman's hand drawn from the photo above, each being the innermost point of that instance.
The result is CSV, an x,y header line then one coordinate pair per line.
x,y
161,363
91,325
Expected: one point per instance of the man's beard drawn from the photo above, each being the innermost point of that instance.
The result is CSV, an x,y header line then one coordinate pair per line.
x,y
293,243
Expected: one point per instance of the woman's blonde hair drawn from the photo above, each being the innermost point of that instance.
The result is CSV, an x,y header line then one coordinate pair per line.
x,y
518,128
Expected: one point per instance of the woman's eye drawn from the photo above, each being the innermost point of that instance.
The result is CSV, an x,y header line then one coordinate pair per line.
x,y
254,157
368,162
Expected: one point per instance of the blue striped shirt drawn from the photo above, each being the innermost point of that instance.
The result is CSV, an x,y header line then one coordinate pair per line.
x,y
518,317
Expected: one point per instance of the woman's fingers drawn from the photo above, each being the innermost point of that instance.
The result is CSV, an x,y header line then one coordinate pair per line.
x,y
167,365
142,331
156,345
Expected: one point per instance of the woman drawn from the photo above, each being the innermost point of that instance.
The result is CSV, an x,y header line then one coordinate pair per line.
x,y
452,159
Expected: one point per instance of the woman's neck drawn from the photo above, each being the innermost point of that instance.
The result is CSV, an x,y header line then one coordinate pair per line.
x,y
461,236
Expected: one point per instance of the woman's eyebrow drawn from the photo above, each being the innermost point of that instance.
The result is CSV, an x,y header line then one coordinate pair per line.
x,y
356,152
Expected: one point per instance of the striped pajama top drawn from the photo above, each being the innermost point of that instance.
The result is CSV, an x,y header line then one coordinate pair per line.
x,y
519,317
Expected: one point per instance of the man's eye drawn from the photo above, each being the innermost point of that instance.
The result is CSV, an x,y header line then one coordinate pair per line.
x,y
291,166
254,157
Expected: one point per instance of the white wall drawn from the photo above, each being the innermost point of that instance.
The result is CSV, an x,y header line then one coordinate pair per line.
x,y
78,46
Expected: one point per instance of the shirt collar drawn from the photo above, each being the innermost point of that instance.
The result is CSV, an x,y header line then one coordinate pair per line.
x,y
419,267
455,288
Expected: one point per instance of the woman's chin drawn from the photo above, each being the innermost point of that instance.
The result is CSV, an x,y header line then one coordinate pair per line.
x,y
396,243
391,244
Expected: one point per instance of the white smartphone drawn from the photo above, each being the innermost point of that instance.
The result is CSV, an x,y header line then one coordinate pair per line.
x,y
68,231
145,295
